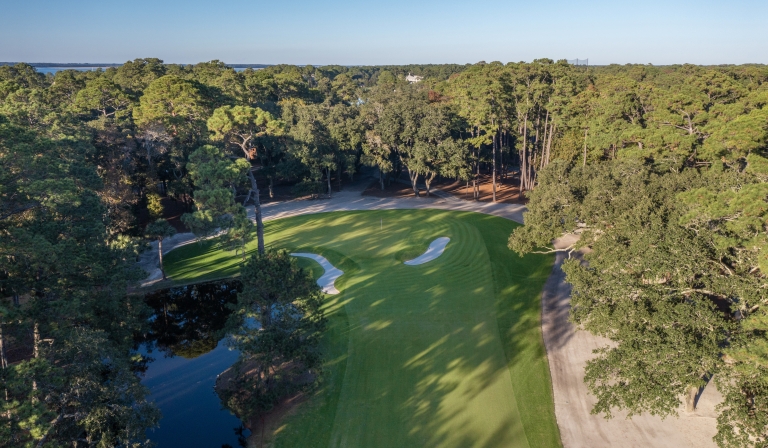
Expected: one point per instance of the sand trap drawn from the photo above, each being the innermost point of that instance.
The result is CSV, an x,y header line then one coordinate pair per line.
x,y
331,273
435,249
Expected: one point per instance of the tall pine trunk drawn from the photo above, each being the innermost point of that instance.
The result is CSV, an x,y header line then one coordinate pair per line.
x,y
544,143
3,359
254,191
524,157
257,210
4,365
160,256
35,354
493,175
553,127
503,174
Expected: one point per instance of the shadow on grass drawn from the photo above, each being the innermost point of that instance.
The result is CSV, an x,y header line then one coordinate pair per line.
x,y
445,354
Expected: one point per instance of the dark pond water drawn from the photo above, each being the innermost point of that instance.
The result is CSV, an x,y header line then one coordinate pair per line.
x,y
185,342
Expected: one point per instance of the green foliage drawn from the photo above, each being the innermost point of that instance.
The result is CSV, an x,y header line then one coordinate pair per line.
x,y
276,327
216,178
648,163
137,75
103,96
85,389
178,105
154,206
75,380
674,278
159,229
242,123
308,187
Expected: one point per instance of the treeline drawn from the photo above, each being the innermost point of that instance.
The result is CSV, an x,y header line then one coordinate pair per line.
x,y
669,194
86,159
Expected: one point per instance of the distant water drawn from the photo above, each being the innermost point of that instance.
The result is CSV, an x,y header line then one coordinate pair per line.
x,y
53,70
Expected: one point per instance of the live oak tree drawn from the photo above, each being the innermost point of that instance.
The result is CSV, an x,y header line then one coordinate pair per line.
x,y
673,278
311,141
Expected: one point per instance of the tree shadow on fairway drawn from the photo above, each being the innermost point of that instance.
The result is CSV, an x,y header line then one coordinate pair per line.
x,y
427,366
518,284
463,401
446,354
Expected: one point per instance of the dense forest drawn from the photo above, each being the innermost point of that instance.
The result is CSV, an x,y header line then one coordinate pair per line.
x,y
662,171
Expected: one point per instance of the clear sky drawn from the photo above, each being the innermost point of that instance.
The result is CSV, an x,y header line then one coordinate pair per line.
x,y
385,32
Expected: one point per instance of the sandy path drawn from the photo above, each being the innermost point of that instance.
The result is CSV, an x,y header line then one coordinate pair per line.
x,y
326,281
349,199
435,249
567,349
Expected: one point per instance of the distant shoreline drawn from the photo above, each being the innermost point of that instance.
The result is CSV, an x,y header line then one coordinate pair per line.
x,y
109,64
63,65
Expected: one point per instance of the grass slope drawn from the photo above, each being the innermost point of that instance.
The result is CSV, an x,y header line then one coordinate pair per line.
x,y
448,353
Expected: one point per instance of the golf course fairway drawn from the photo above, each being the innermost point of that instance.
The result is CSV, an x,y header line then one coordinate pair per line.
x,y
444,354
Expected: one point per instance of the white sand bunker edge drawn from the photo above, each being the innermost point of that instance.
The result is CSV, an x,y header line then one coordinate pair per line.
x,y
326,281
435,249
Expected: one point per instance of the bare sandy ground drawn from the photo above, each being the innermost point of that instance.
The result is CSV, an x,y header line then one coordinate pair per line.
x,y
326,281
568,349
435,249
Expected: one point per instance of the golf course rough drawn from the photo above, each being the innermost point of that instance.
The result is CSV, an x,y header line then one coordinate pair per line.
x,y
444,354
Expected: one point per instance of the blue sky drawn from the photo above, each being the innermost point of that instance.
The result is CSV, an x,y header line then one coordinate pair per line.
x,y
392,32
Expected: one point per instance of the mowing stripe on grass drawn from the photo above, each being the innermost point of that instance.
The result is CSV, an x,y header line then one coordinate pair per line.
x,y
447,353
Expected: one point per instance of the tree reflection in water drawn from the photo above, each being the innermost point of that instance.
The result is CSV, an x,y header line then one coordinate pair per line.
x,y
188,321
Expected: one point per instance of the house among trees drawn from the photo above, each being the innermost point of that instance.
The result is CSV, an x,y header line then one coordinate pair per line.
x,y
413,78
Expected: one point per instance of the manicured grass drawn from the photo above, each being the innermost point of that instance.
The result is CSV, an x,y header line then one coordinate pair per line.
x,y
448,353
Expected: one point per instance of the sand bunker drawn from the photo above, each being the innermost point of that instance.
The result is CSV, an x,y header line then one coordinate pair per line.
x,y
331,273
435,249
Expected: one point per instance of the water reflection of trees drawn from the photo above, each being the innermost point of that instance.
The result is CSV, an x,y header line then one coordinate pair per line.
x,y
188,321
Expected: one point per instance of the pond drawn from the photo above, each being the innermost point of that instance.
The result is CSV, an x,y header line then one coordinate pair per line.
x,y
188,354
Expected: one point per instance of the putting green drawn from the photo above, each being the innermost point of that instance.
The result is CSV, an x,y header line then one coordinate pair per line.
x,y
448,353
